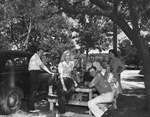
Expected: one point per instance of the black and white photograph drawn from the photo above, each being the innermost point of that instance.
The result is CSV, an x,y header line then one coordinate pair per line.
x,y
74,58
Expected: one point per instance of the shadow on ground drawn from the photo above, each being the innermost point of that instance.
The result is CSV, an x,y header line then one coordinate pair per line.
x,y
131,104
135,79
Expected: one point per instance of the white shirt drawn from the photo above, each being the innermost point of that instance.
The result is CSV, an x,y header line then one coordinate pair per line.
x,y
96,64
65,69
35,62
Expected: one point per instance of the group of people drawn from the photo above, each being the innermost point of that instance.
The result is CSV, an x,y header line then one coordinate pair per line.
x,y
108,84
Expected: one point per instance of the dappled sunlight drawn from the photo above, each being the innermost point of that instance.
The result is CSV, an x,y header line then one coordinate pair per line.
x,y
130,79
135,95
132,85
135,79
130,104
130,73
22,113
133,101
135,92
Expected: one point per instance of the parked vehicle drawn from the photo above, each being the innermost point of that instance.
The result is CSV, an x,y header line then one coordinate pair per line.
x,y
14,80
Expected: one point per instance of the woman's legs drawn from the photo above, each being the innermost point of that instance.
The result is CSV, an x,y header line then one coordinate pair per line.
x,y
70,88
61,98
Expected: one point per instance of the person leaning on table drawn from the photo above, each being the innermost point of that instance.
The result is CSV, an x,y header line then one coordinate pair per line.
x,y
98,104
35,67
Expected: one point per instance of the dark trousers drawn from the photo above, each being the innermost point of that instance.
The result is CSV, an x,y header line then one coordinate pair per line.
x,y
36,78
63,97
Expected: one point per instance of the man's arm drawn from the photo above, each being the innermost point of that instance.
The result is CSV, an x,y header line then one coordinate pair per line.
x,y
46,69
94,81
121,66
41,64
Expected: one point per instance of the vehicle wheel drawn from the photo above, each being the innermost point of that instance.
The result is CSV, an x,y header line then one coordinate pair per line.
x,y
12,101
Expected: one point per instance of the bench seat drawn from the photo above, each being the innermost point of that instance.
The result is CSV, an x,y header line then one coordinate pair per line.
x,y
78,103
53,100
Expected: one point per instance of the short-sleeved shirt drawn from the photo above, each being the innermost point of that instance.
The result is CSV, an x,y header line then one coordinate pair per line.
x,y
35,62
115,66
65,69
101,84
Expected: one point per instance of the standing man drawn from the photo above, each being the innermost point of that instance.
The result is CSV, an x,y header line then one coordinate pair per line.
x,y
35,66
98,104
93,62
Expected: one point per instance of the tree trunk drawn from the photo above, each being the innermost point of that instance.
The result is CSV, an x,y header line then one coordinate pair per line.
x,y
115,27
28,35
87,53
146,68
143,54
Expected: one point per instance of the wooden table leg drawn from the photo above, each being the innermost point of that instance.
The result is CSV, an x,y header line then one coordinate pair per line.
x,y
90,97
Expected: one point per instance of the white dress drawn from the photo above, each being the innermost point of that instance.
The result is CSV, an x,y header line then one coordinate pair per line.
x,y
112,81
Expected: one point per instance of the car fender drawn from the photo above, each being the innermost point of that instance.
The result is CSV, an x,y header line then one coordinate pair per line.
x,y
2,96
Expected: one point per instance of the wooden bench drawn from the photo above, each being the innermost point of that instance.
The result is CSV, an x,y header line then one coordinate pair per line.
x,y
52,101
77,98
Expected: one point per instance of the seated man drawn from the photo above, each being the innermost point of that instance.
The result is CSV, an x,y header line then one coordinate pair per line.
x,y
91,62
98,104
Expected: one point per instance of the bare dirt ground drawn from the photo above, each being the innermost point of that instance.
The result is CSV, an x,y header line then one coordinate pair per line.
x,y
130,104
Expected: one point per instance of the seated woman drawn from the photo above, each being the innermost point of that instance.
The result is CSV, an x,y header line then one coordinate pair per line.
x,y
65,83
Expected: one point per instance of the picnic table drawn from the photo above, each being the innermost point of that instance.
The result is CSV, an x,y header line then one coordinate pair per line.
x,y
77,98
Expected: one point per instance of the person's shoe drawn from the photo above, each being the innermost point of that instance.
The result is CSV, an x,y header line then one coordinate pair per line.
x,y
34,111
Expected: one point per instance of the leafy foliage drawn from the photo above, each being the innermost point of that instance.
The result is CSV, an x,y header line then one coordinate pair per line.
x,y
92,32
31,23
129,53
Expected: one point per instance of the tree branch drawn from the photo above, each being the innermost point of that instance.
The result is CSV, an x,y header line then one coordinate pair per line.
x,y
103,4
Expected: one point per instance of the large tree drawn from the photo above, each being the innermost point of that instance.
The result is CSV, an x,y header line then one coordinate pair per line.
x,y
132,17
93,32
29,23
